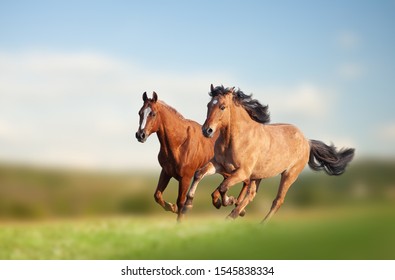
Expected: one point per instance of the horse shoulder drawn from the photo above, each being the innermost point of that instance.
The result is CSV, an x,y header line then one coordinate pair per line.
x,y
190,151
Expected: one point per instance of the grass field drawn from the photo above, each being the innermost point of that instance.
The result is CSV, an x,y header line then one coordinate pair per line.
x,y
358,232
67,214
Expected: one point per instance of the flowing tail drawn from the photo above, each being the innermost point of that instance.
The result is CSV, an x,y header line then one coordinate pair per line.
x,y
328,158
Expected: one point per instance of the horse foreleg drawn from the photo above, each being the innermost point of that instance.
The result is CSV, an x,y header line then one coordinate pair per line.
x,y
242,196
164,179
208,169
251,192
182,194
243,193
234,178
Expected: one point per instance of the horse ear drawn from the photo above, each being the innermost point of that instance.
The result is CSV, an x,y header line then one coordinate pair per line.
x,y
154,96
232,89
145,98
212,88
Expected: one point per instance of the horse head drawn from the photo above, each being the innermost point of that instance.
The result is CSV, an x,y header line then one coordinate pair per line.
x,y
218,109
148,117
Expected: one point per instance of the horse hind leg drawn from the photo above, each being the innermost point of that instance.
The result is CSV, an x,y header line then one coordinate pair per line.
x,y
243,193
287,179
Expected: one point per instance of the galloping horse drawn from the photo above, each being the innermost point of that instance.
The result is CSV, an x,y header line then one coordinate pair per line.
x,y
183,148
249,150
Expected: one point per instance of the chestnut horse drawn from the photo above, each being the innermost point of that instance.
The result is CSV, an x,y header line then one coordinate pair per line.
x,y
249,150
183,148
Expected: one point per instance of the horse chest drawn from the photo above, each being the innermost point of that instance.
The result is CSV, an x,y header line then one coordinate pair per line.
x,y
226,162
171,163
167,162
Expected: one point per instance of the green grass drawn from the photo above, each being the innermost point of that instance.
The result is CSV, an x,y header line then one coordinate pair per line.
x,y
344,233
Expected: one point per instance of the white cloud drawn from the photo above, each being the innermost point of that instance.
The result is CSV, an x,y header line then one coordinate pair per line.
x,y
81,108
351,71
386,132
303,100
5,130
348,40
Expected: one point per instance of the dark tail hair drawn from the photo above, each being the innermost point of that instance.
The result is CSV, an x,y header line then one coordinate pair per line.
x,y
328,158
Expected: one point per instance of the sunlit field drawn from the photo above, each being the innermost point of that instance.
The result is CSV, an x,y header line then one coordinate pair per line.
x,y
52,214
339,234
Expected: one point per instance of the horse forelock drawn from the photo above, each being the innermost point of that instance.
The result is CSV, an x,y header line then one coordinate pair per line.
x,y
220,90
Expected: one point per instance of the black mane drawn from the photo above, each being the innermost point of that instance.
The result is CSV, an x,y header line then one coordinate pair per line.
x,y
254,108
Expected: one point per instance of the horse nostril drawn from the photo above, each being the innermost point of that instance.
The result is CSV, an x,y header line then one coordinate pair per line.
x,y
208,132
140,135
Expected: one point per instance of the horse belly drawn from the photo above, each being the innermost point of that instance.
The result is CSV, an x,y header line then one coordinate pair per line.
x,y
267,171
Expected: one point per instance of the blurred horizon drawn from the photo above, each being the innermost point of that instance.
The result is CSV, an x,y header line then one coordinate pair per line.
x,y
72,73
36,193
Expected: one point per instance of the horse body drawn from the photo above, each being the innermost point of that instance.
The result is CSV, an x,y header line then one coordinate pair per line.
x,y
180,150
281,148
183,148
269,149
248,149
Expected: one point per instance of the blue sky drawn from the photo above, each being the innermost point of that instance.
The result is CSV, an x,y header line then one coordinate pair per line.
x,y
72,72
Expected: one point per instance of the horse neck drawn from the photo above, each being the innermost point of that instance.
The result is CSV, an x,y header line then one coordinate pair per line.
x,y
172,130
239,121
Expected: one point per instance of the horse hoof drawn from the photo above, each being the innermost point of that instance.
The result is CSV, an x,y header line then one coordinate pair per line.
x,y
242,213
217,204
232,216
229,218
188,203
180,218
228,201
171,207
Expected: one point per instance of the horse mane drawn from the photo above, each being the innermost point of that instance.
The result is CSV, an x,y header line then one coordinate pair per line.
x,y
171,109
254,108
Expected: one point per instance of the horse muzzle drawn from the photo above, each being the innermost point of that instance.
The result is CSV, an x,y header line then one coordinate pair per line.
x,y
141,136
208,132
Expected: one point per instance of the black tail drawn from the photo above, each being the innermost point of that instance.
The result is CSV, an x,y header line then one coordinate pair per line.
x,y
328,158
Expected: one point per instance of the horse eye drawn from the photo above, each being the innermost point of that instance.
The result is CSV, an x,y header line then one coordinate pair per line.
x,y
153,114
222,107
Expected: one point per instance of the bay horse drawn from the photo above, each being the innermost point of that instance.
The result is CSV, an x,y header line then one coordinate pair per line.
x,y
249,150
183,148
